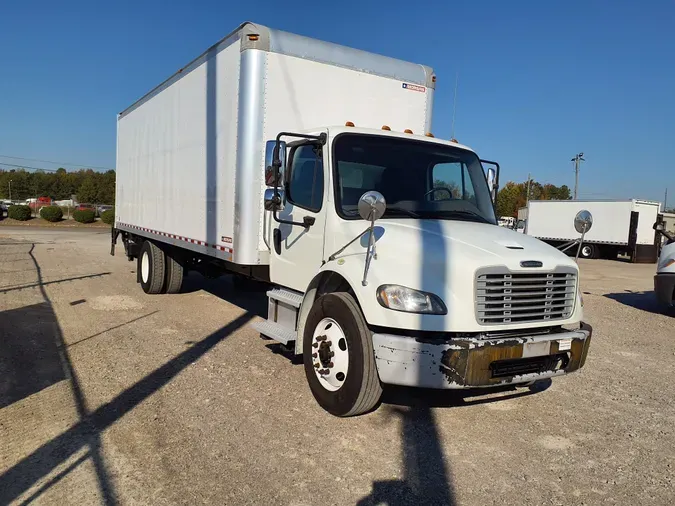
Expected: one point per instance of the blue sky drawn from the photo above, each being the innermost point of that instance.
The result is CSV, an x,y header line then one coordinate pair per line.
x,y
538,81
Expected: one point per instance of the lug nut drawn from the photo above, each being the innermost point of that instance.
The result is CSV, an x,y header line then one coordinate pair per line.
x,y
331,365
329,343
315,345
314,355
332,353
316,365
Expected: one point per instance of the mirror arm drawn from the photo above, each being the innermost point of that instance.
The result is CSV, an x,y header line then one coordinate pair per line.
x,y
332,257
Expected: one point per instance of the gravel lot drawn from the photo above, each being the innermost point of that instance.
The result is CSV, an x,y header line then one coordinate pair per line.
x,y
111,396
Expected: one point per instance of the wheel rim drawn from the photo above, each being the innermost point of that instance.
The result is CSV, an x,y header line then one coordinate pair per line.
x,y
145,267
330,354
586,251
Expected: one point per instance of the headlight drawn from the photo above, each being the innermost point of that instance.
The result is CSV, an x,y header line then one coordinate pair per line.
x,y
401,298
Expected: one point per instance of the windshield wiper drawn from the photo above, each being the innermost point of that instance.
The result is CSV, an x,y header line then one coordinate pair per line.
x,y
392,210
473,214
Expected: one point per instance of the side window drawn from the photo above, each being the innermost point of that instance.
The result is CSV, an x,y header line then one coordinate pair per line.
x,y
305,189
454,177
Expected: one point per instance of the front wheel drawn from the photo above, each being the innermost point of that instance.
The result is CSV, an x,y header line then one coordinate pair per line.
x,y
338,356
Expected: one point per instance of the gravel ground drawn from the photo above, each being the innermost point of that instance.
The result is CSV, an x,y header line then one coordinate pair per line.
x,y
111,396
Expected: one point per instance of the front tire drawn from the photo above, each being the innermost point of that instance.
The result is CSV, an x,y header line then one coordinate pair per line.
x,y
338,357
151,268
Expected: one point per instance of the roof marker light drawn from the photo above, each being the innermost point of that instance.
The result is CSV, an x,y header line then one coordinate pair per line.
x,y
385,127
349,124
429,134
407,131
253,36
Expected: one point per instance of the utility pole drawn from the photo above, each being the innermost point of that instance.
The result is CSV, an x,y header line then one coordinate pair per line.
x,y
528,187
577,161
10,190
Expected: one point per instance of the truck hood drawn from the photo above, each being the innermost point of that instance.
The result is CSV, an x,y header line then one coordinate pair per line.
x,y
443,240
443,257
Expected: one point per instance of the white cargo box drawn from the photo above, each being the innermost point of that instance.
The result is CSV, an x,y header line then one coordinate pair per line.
x,y
190,153
613,221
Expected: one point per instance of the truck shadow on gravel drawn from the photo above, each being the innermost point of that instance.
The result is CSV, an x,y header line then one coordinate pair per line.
x,y
645,301
248,295
33,475
427,476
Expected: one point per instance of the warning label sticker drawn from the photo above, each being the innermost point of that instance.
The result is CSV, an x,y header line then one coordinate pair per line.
x,y
414,87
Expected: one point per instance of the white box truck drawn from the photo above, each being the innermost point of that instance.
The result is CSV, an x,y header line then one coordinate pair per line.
x,y
248,161
619,226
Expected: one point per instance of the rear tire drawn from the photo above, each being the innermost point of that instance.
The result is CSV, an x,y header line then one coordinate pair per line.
x,y
151,268
588,251
356,390
174,273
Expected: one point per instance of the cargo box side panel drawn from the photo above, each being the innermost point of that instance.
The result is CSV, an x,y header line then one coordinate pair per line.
x,y
177,155
645,229
303,94
555,220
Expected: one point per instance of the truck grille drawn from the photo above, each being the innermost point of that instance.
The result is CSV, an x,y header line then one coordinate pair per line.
x,y
506,297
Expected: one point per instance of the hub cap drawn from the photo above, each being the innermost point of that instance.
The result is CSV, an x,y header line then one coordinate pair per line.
x,y
586,251
145,267
330,355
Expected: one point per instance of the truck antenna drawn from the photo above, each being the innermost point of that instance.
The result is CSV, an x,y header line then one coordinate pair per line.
x,y
454,106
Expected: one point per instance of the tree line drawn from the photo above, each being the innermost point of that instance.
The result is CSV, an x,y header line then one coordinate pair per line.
x,y
85,185
512,196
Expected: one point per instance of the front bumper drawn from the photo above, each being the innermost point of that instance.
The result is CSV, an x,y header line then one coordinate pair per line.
x,y
664,287
472,362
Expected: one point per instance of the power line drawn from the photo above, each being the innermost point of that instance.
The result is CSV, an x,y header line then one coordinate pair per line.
x,y
55,163
27,167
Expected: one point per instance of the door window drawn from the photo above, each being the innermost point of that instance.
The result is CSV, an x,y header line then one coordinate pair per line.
x,y
452,181
305,189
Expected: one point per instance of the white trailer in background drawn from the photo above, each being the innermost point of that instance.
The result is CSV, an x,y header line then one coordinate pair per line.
x,y
248,161
619,226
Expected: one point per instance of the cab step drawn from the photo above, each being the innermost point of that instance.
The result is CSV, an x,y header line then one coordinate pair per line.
x,y
286,296
283,306
275,331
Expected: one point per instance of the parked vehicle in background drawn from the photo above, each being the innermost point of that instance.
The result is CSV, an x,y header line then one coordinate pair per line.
x,y
507,221
436,295
36,203
620,226
664,280
86,207
103,208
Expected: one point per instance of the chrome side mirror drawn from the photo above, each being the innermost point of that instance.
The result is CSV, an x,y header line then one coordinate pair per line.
x,y
491,179
583,221
274,201
372,206
659,226
272,179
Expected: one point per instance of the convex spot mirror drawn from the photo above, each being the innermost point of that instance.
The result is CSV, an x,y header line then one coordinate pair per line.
x,y
372,206
583,221
270,179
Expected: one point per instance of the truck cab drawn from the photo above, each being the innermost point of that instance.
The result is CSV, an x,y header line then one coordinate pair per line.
x,y
390,268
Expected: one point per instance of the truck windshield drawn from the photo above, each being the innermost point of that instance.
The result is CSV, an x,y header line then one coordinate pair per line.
x,y
418,179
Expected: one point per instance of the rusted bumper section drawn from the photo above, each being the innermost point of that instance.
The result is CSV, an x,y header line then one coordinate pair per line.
x,y
473,362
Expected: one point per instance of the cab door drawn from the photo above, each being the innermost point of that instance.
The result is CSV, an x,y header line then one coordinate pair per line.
x,y
296,250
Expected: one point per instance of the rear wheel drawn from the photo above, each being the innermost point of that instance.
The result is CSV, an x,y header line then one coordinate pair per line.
x,y
151,267
338,357
588,251
174,273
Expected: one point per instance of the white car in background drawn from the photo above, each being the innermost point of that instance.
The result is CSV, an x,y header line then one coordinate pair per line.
x,y
664,281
